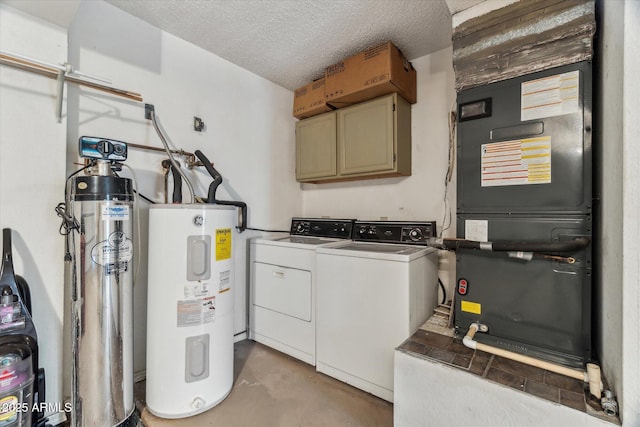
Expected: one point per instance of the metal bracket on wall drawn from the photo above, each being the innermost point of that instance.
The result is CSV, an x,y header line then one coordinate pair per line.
x,y
198,124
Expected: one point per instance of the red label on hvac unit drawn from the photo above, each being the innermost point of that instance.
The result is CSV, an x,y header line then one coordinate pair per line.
x,y
462,286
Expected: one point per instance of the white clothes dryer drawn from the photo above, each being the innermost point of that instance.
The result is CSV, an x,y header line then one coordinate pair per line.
x,y
282,307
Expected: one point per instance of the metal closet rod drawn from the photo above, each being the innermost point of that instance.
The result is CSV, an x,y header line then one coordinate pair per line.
x,y
54,71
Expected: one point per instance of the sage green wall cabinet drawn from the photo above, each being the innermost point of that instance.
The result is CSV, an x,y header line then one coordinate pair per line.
x,y
368,140
316,147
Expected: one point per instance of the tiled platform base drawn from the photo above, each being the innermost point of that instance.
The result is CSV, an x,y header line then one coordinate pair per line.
x,y
519,376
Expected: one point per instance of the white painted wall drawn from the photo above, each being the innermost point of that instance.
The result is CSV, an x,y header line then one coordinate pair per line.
x,y
248,135
609,301
620,263
32,174
478,9
630,208
419,196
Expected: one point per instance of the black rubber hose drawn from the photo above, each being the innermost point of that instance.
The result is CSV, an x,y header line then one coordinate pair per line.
x,y
177,185
444,292
243,212
217,178
561,246
506,246
213,188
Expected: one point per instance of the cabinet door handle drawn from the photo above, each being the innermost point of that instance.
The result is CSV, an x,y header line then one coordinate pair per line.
x,y
278,274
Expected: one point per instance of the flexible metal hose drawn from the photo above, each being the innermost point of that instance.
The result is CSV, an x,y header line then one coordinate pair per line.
x,y
171,159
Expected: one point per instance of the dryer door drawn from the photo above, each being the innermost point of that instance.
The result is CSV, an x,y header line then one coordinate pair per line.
x,y
283,290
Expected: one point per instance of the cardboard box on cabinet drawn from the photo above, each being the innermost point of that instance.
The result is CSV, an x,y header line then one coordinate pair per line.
x,y
370,74
309,100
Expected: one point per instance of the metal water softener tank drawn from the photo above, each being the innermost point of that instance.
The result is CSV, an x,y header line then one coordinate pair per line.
x,y
102,294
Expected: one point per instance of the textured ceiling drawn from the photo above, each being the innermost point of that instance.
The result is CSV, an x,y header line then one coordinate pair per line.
x,y
289,42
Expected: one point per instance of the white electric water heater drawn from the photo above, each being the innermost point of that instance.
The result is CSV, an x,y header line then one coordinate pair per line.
x,y
189,308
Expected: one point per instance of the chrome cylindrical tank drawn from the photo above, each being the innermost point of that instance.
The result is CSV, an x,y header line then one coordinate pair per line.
x,y
102,299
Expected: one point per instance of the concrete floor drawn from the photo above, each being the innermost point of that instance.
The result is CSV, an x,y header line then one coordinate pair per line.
x,y
273,389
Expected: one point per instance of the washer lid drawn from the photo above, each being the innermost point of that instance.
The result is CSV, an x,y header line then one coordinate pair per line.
x,y
305,240
382,248
381,251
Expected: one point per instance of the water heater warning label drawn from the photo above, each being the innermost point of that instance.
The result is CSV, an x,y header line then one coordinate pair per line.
x,y
518,162
223,244
196,312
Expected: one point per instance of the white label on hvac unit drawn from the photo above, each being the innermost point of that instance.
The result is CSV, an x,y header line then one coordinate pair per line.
x,y
114,253
196,312
550,96
518,162
114,212
225,280
476,229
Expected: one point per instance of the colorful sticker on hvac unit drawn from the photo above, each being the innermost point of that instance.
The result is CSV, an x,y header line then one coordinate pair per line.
x,y
223,244
471,307
550,96
517,162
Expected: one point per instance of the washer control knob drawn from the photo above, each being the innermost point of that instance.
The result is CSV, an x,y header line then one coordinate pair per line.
x,y
415,234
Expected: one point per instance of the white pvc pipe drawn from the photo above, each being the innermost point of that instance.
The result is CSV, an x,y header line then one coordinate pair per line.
x,y
595,379
592,375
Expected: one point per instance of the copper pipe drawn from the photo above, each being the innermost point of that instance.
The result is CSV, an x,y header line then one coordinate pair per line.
x,y
190,157
53,74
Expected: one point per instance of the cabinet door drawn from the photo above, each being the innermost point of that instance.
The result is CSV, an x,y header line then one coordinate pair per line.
x,y
316,147
366,137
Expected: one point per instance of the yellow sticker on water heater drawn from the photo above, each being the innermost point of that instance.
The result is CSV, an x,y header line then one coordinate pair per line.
x,y
223,244
470,307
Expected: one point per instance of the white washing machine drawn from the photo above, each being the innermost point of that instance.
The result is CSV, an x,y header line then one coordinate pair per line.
x,y
371,296
282,307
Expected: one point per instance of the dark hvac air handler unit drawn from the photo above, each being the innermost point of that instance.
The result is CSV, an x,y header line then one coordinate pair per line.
x,y
525,175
